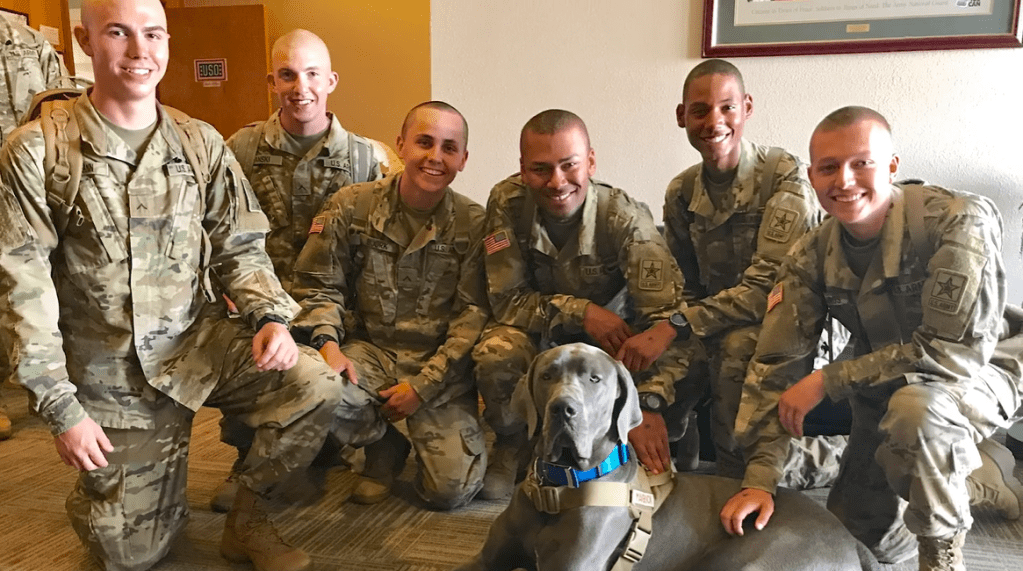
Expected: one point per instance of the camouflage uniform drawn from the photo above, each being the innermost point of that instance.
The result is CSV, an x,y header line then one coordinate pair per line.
x,y
408,309
922,389
730,260
29,65
538,295
122,331
291,189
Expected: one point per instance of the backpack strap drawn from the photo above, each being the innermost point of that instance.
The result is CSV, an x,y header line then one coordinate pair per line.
x,y
914,207
689,185
767,176
62,163
359,152
248,144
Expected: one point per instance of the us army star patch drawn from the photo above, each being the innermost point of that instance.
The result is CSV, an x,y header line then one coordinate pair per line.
x,y
783,221
651,275
948,291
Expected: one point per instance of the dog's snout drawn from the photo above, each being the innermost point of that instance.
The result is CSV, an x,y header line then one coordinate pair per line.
x,y
564,408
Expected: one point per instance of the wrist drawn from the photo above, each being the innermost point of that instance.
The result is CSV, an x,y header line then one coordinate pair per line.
x,y
683,329
653,403
270,318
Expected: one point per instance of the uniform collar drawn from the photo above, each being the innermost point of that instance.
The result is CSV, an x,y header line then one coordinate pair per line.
x,y
585,245
334,144
106,143
388,206
890,246
741,194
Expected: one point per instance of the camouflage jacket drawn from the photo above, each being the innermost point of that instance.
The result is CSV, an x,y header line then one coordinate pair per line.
x,y
729,258
125,290
29,65
292,189
534,287
911,319
425,302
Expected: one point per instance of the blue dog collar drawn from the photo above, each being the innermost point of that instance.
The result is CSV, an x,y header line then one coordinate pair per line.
x,y
565,476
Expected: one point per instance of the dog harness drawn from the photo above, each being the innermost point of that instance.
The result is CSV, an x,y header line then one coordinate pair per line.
x,y
573,489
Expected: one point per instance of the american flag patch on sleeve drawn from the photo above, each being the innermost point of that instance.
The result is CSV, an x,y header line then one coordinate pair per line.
x,y
496,242
317,226
775,297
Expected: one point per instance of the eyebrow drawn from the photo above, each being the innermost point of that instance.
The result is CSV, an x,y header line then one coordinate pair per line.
x,y
559,161
127,28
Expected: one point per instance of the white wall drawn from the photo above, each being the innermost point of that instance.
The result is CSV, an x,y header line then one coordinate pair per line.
x,y
620,65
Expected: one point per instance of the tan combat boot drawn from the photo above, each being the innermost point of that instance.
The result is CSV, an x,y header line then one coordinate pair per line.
x,y
993,484
249,536
510,454
5,426
942,554
223,496
385,459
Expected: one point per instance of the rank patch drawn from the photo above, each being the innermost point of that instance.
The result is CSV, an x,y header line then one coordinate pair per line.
x,y
774,298
783,221
317,226
651,275
947,292
496,242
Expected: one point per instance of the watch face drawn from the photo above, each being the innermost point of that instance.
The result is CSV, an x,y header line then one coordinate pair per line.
x,y
677,319
653,402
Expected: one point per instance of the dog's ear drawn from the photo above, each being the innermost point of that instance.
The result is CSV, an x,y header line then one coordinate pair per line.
x,y
627,412
522,401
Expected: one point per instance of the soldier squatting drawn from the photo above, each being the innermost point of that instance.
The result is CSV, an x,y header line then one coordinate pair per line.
x,y
412,299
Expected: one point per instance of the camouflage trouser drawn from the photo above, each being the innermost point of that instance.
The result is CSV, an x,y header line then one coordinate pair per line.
x,y
129,513
812,462
904,472
504,353
449,443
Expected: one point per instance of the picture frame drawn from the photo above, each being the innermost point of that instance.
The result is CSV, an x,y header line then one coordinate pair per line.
x,y
14,16
739,28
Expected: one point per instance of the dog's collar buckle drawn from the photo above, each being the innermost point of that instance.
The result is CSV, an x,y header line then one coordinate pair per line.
x,y
565,476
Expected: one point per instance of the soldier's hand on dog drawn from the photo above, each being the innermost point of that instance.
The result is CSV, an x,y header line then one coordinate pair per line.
x,y
606,328
641,350
402,401
273,348
650,441
741,505
799,400
83,445
337,360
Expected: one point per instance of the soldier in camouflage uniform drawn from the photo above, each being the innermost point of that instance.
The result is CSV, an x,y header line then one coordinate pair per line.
x,y
391,286
569,258
294,161
119,342
714,223
922,289
29,65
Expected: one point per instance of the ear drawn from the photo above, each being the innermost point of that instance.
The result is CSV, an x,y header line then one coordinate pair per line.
x,y
591,159
522,401
680,114
747,105
627,412
82,35
893,168
332,79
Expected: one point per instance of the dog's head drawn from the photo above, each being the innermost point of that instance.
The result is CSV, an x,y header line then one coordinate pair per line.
x,y
583,402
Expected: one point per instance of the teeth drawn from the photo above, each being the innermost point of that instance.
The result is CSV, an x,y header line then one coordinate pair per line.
x,y
844,198
717,139
432,172
136,71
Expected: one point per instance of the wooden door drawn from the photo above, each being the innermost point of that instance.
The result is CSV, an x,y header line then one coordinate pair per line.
x,y
218,65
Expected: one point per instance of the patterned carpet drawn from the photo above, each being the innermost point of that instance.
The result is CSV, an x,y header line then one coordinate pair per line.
x,y
397,535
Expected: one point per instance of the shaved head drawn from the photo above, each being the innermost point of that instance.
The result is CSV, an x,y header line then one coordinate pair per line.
x,y
300,39
440,106
550,122
713,67
851,115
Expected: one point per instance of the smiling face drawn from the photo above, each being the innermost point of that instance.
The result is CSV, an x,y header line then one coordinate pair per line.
x,y
713,112
433,146
851,170
302,80
127,41
557,168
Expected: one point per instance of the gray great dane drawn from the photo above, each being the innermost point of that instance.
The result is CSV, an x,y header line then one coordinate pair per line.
x,y
580,405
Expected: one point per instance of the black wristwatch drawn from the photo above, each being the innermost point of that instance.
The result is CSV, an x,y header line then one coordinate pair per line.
x,y
653,402
683,330
320,340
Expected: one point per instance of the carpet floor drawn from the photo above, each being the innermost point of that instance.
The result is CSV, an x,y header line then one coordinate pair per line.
x,y
396,535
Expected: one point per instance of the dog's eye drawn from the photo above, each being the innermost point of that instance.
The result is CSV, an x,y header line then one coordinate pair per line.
x,y
546,376
594,378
